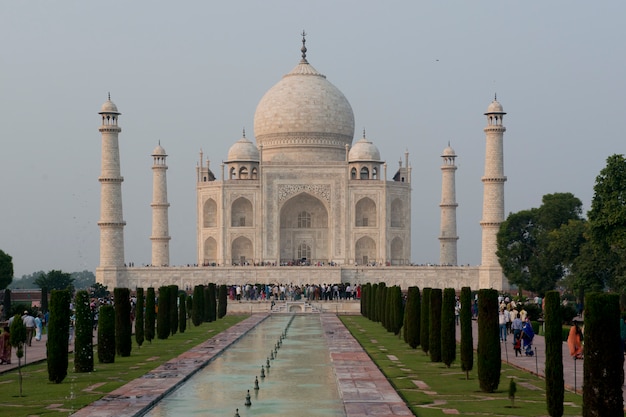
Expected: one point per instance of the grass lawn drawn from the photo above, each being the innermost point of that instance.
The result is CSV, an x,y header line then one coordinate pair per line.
x,y
431,388
43,398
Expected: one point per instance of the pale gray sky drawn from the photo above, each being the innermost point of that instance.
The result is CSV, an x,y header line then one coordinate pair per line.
x,y
190,74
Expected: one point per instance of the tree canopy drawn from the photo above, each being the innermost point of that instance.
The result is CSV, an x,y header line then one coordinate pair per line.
x,y
526,250
6,269
55,280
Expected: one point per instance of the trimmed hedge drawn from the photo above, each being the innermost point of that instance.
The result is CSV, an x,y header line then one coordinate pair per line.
x,y
197,312
182,312
222,305
434,340
83,340
467,338
555,387
150,314
58,335
123,323
106,334
412,317
488,352
448,328
173,304
139,318
425,320
163,313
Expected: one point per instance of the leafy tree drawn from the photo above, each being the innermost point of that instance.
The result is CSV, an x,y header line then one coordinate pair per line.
x,y
123,323
17,340
434,335
489,354
6,269
150,314
55,280
163,313
6,303
603,370
173,294
83,280
139,318
448,328
222,305
83,340
106,334
425,320
58,335
182,312
467,338
212,302
412,317
607,219
44,300
555,387
197,314
524,242
99,291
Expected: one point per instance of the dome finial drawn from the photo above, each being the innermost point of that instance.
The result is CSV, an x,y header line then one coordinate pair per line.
x,y
244,132
495,96
303,49
363,133
109,96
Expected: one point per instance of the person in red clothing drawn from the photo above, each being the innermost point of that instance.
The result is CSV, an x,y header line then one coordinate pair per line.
x,y
5,347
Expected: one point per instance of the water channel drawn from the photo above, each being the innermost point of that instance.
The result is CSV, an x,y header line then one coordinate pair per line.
x,y
299,381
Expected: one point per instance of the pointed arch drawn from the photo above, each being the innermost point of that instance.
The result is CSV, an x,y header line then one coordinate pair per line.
x,y
397,251
242,251
209,213
304,229
241,213
365,250
365,213
397,213
210,251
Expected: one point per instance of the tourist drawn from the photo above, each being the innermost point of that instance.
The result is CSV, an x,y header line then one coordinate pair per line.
x,y
38,327
29,322
516,327
502,323
527,337
575,341
5,347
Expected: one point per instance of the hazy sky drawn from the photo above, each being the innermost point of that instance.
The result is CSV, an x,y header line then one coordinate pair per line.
x,y
190,74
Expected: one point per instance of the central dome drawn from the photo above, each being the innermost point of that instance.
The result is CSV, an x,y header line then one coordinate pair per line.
x,y
304,112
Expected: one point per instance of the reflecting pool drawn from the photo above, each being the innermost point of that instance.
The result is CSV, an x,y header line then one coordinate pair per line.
x,y
299,381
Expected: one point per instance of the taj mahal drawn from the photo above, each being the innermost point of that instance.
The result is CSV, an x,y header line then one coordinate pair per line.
x,y
301,203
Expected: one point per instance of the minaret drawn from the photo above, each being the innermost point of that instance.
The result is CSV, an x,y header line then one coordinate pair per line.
x,y
490,275
448,237
160,232
111,221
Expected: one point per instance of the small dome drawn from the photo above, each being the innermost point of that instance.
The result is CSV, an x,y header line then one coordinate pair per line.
x,y
448,151
495,107
364,150
159,151
243,150
109,107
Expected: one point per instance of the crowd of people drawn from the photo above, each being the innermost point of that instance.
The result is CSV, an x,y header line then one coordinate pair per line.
x,y
292,292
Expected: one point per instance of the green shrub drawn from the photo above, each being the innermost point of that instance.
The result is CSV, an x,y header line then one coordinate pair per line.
x,y
58,335
150,315
212,295
106,334
568,312
555,388
222,305
434,341
139,318
488,352
83,340
182,312
467,338
173,304
123,323
425,320
163,313
197,313
412,317
448,330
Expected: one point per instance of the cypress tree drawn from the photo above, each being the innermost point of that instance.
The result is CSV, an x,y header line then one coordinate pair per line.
x,y
83,341
222,306
489,354
387,314
44,300
372,302
425,320
467,338
206,305
399,310
381,296
123,323
189,302
106,334
434,335
150,315
555,386
173,304
212,302
197,313
448,328
409,317
603,369
163,313
58,335
182,312
363,300
139,318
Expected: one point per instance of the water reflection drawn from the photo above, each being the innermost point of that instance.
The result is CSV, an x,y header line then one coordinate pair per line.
x,y
299,382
